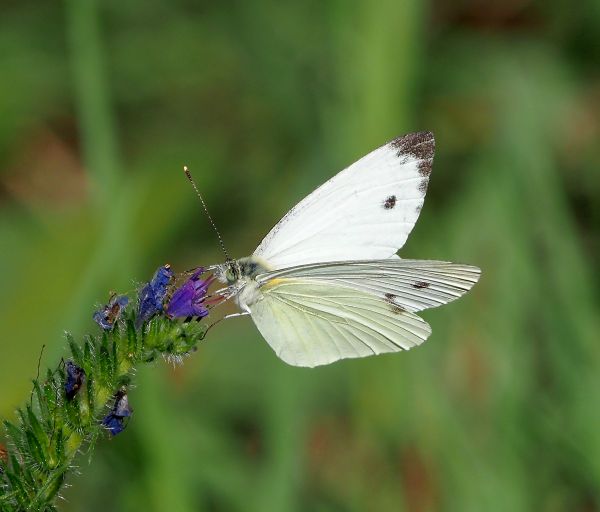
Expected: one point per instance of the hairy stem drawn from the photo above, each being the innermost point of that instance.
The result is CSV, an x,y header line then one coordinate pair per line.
x,y
55,426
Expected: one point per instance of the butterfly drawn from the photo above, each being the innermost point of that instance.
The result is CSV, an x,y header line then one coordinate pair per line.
x,y
326,283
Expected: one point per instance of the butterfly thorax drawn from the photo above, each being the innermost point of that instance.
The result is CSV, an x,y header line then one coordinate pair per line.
x,y
240,276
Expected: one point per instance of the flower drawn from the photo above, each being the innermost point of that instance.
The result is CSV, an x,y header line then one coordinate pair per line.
x,y
114,421
109,314
74,381
188,300
153,294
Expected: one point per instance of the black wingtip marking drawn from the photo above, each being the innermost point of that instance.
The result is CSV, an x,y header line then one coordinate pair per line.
x,y
421,284
389,203
424,168
419,145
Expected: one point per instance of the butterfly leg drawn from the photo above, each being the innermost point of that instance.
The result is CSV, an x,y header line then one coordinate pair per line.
x,y
231,315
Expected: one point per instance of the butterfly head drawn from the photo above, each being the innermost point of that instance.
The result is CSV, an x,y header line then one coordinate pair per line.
x,y
228,273
243,269
232,272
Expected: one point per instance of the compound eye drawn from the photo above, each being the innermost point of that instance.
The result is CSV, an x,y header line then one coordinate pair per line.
x,y
230,275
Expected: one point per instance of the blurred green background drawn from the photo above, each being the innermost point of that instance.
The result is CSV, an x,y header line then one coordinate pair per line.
x,y
101,103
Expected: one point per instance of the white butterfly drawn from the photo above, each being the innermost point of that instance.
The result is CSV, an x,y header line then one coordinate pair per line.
x,y
326,284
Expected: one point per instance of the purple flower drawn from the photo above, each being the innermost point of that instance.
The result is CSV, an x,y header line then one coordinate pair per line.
x,y
74,381
114,421
109,314
153,294
188,299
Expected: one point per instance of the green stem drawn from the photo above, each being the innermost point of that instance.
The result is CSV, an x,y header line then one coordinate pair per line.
x,y
96,122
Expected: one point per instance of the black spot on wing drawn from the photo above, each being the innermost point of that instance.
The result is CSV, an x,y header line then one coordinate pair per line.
x,y
397,309
389,203
420,145
423,185
390,299
421,284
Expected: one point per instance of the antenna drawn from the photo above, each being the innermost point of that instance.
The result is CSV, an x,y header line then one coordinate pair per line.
x,y
189,177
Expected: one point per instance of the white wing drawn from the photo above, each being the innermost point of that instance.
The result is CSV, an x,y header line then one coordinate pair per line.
x,y
365,212
413,285
308,323
317,314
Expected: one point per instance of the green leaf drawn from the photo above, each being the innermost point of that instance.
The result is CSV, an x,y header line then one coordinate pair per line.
x,y
39,433
76,352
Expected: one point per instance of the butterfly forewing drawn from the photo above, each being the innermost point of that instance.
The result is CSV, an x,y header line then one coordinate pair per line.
x,y
412,284
365,212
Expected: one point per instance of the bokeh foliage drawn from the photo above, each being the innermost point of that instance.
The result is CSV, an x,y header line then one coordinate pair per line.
x,y
103,102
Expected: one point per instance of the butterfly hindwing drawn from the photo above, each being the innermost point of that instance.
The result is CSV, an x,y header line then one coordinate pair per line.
x,y
309,323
